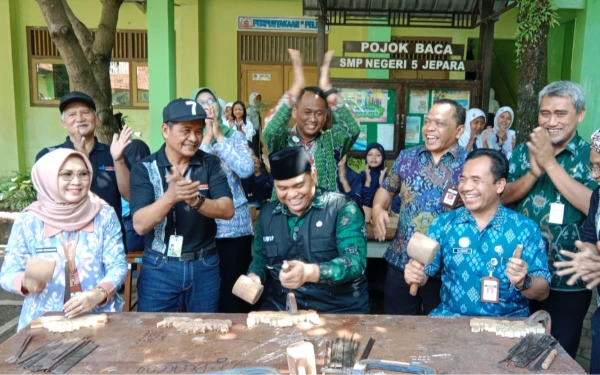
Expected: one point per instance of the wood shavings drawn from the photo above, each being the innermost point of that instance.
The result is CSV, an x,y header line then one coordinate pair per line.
x,y
505,328
63,324
198,325
281,319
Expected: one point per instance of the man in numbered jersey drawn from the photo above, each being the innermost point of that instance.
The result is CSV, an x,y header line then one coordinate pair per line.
x,y
178,191
481,273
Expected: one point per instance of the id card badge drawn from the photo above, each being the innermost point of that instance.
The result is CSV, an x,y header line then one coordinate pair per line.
x,y
557,212
175,245
490,289
450,196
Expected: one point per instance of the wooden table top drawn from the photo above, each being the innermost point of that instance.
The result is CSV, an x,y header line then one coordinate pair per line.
x,y
131,343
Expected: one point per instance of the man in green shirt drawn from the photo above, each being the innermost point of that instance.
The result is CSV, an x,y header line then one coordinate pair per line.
x,y
310,107
551,184
320,235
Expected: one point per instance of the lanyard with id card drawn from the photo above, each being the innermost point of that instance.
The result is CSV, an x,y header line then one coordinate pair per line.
x,y
450,196
557,212
490,286
175,241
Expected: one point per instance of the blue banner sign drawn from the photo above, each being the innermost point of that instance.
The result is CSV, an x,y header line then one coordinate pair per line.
x,y
289,24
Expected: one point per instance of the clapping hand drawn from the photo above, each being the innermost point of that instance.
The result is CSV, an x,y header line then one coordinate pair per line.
x,y
120,142
181,188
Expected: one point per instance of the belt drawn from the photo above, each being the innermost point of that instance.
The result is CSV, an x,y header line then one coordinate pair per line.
x,y
206,252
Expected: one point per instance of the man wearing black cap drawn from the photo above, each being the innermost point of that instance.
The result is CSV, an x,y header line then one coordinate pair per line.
x,y
111,172
179,191
320,235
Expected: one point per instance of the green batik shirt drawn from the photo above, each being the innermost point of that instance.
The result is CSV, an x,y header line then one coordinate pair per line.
x,y
325,150
536,205
350,233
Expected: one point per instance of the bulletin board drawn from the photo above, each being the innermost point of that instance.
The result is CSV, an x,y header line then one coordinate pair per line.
x,y
398,116
376,112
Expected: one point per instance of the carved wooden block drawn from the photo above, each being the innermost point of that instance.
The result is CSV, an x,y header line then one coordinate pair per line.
x,y
282,318
505,328
61,324
198,325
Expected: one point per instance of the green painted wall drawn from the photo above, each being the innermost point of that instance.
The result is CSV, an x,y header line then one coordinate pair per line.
x,y
161,62
11,138
379,34
586,54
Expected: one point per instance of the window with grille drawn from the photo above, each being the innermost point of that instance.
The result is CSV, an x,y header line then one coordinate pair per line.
x,y
128,69
269,48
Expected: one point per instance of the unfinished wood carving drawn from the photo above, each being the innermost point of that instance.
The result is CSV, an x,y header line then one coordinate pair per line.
x,y
62,324
282,318
505,328
198,325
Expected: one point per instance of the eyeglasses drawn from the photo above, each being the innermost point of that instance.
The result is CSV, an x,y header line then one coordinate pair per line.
x,y
68,176
595,169
208,102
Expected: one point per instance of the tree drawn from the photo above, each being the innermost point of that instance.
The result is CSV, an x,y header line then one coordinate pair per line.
x,y
534,21
87,56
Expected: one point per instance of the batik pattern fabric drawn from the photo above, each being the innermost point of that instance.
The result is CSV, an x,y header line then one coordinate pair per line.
x,y
326,149
467,255
236,161
536,205
420,182
99,259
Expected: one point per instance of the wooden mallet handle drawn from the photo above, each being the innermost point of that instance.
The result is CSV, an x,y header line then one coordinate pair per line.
x,y
548,361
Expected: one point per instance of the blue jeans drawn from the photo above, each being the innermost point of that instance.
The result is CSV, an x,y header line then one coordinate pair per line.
x,y
595,362
168,285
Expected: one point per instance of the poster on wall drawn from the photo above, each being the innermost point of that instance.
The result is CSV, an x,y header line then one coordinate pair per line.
x,y
385,136
463,97
419,101
370,105
361,142
413,130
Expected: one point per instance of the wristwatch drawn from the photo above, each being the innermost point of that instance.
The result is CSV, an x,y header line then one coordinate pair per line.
x,y
526,284
201,200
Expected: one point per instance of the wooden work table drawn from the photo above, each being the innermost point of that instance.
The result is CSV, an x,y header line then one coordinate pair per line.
x,y
131,343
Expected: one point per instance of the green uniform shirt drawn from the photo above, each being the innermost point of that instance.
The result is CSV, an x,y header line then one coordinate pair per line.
x,y
351,236
324,149
536,205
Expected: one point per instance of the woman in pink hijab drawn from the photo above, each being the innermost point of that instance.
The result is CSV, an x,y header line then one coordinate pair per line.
x,y
73,234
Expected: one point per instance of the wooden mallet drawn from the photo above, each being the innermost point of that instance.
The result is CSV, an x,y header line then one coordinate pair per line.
x,y
422,249
247,289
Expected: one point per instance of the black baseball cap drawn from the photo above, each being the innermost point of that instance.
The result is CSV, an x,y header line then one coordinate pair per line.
x,y
76,96
183,110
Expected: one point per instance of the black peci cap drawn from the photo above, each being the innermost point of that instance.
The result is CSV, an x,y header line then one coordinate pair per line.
x,y
289,163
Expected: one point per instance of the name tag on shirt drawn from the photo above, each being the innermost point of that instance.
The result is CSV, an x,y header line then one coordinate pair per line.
x,y
557,213
41,250
465,251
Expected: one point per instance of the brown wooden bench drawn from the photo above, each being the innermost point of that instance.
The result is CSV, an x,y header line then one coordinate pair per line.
x,y
132,257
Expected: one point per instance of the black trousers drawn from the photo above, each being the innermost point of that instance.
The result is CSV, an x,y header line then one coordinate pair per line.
x,y
235,255
567,311
398,301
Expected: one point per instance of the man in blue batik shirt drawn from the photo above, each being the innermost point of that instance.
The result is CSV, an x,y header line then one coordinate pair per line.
x,y
477,242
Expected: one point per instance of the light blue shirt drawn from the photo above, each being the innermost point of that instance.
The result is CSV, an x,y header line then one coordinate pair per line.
x,y
467,255
99,258
236,161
